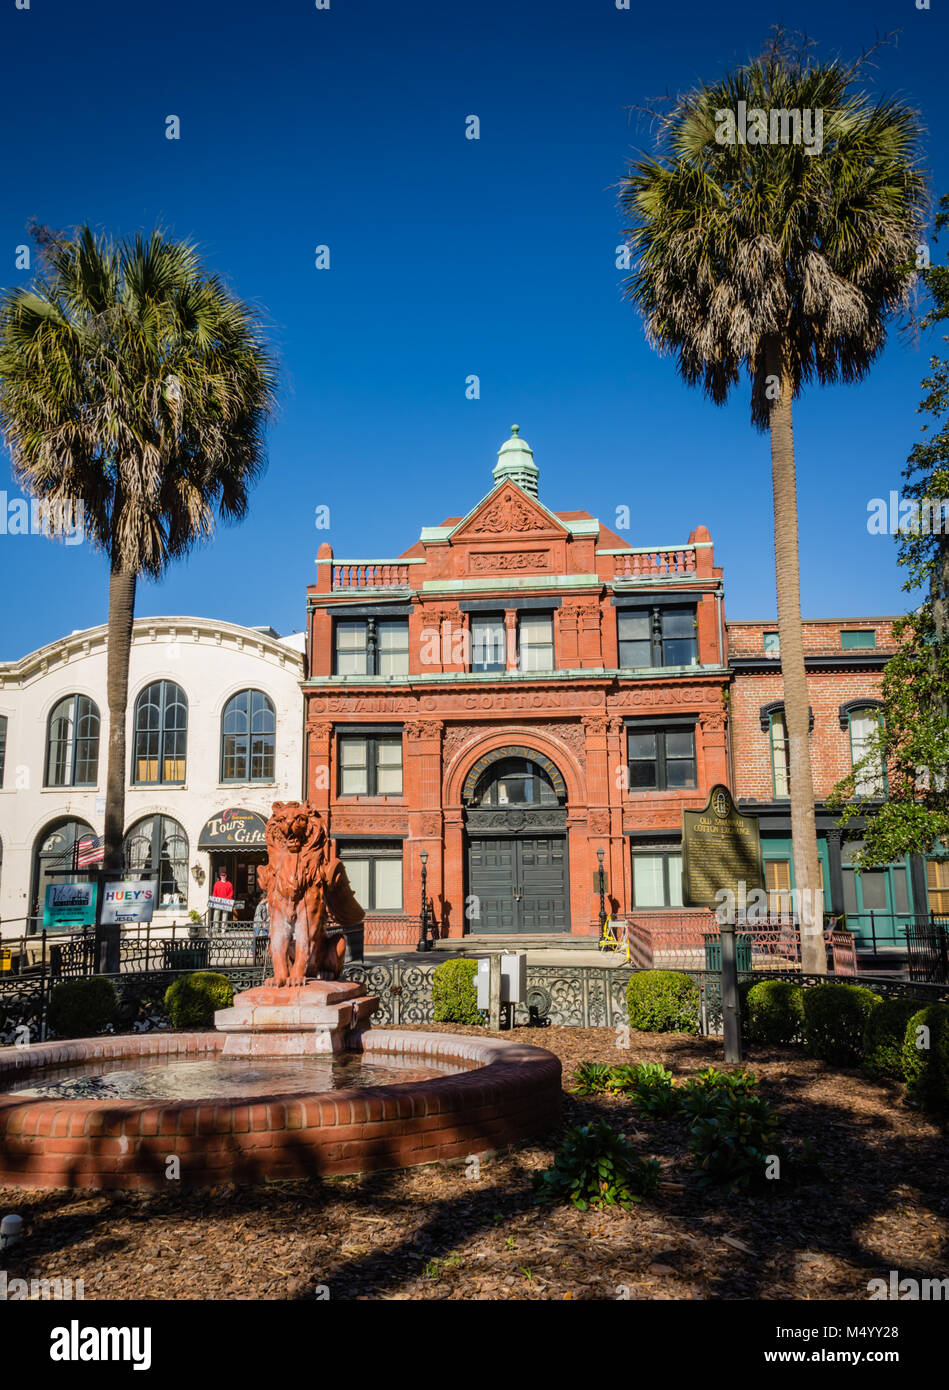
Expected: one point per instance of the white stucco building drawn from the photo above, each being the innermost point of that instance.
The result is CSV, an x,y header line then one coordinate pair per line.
x,y
214,735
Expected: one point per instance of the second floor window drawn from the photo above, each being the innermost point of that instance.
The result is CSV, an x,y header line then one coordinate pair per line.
x,y
780,755
488,643
370,766
871,780
535,640
372,647
661,759
161,733
72,744
3,744
651,637
248,738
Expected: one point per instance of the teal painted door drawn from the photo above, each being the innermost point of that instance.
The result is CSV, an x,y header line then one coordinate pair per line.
x,y
520,884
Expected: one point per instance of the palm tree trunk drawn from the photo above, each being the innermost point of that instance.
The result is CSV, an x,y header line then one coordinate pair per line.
x,y
796,703
118,646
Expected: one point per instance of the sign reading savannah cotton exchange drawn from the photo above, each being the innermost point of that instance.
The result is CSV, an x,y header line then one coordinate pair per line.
x,y
721,848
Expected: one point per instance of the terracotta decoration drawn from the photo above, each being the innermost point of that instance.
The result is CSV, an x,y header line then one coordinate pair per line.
x,y
303,883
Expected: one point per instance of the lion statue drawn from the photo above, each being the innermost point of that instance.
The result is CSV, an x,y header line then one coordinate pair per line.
x,y
303,884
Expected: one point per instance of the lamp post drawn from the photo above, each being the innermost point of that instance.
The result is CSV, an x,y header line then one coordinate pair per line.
x,y
601,878
423,942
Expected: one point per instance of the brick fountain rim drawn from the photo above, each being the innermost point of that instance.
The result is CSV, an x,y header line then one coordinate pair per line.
x,y
512,1094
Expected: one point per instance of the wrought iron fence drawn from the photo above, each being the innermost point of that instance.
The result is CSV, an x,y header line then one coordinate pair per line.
x,y
927,944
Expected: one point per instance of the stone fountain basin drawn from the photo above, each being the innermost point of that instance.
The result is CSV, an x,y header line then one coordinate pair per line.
x,y
511,1093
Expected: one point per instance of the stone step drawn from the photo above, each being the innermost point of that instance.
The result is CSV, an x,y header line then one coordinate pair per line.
x,y
478,945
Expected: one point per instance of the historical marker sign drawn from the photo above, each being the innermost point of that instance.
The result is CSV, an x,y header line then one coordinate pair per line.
x,y
721,848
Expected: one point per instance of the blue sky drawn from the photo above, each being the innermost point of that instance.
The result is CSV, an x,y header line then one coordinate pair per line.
x,y
448,257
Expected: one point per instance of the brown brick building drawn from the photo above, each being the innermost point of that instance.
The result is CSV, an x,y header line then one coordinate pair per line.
x,y
522,690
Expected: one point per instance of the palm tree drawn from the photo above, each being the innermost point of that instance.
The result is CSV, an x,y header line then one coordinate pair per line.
x,y
134,391
751,251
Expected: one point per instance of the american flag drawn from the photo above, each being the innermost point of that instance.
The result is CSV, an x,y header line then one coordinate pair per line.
x,y
90,851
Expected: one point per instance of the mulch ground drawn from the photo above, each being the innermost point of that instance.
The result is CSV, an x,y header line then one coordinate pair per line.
x,y
448,1232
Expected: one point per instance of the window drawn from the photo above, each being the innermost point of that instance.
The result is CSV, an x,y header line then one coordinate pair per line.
x,y
374,870
864,724
777,882
514,782
3,744
72,743
488,643
780,754
937,882
248,738
535,638
370,766
661,759
650,637
157,847
657,877
772,644
855,640
372,647
161,733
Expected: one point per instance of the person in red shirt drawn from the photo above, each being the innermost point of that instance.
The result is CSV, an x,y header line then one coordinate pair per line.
x,y
222,889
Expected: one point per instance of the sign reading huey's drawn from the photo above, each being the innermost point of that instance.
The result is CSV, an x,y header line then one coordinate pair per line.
x,y
721,848
129,902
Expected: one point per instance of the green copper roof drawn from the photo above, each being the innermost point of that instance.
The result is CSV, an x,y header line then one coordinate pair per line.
x,y
516,463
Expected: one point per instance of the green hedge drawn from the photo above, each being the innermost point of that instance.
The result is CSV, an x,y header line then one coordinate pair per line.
x,y
454,995
775,1012
835,1017
883,1038
192,1001
926,1069
662,1001
82,1008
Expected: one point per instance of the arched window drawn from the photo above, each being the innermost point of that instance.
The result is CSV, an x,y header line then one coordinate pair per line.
x,y
514,782
157,847
54,861
248,738
780,754
161,733
72,743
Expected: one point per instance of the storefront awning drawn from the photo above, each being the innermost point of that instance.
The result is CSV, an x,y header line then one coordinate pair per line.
x,y
233,828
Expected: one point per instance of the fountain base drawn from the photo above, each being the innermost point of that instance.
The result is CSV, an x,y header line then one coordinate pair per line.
x,y
318,1018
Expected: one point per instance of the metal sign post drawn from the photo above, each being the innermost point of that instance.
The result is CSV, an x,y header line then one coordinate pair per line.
x,y
730,1006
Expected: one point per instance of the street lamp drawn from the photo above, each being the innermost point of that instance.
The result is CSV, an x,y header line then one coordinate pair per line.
x,y
601,877
423,942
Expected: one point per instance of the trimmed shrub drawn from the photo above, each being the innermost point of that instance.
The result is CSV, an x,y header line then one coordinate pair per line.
x,y
454,995
775,1013
835,1017
883,1038
926,1069
192,1001
662,1001
82,1008
596,1167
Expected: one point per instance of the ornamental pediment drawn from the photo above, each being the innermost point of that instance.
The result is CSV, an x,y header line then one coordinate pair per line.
x,y
508,513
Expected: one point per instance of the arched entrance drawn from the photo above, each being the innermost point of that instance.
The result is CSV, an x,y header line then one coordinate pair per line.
x,y
516,834
54,861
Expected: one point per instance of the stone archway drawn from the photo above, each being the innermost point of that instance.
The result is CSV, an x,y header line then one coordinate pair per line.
x,y
515,814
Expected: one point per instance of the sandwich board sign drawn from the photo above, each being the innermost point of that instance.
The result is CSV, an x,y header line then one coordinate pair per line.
x,y
129,902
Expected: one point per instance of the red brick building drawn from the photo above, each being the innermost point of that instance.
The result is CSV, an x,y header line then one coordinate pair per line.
x,y
518,691
844,660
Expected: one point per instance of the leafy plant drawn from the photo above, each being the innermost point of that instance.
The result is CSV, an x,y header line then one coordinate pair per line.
x,y
883,1038
594,1079
926,1068
732,1145
835,1018
703,1094
651,1088
192,1001
662,1001
596,1167
82,1008
454,996
775,1013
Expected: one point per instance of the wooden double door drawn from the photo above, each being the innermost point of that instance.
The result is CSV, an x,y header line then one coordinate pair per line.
x,y
520,882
